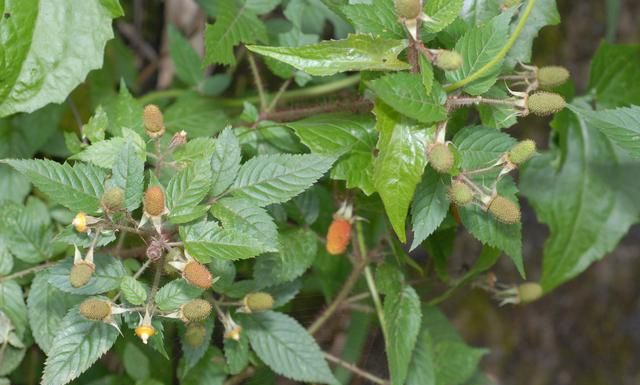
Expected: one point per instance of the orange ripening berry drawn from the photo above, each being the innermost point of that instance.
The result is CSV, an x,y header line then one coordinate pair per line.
x,y
198,275
154,201
338,236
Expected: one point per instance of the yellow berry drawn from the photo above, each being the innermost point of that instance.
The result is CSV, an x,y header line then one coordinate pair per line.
x,y
154,201
95,309
80,222
145,332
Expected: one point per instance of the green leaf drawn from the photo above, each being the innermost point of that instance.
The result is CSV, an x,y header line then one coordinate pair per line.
x,y
107,276
426,74
196,115
97,125
544,13
102,154
480,147
47,307
583,192
496,116
134,292
268,179
614,75
128,174
399,165
13,306
237,353
233,26
209,371
188,187
479,46
184,57
53,47
241,215
225,161
443,13
405,93
620,125
477,12
429,207
355,53
356,168
176,293
298,251
27,231
78,188
192,354
208,241
421,367
136,363
286,347
125,111
377,18
78,344
195,149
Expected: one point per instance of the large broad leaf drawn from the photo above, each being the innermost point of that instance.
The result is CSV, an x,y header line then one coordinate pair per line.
x,y
377,18
233,25
479,46
128,174
188,187
620,125
78,188
48,49
399,165
442,13
207,241
286,347
615,75
196,115
184,57
402,316
225,161
125,111
79,343
270,179
405,92
27,230
430,206
13,306
297,252
109,271
583,192
355,53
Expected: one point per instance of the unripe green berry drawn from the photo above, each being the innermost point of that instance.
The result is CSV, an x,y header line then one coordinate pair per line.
x,y
460,193
409,9
194,335
441,157
196,310
80,274
545,103
522,152
95,309
257,302
552,76
448,60
113,199
529,292
504,210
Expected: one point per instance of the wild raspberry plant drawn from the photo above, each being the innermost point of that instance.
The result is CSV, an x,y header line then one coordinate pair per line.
x,y
180,221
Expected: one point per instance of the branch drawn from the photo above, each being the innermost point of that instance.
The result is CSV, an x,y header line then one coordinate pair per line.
x,y
362,247
258,81
28,271
355,370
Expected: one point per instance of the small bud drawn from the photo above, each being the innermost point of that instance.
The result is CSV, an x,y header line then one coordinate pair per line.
x,y
194,335
448,60
154,201
504,210
153,121
95,309
338,235
155,251
257,302
80,274
529,292
460,193
177,140
552,76
196,310
113,199
441,157
545,103
198,275
80,222
409,9
522,152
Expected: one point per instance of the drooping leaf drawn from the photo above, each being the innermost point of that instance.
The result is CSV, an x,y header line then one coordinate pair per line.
x,y
225,161
355,53
107,276
615,75
429,207
27,230
102,154
297,251
207,241
13,306
377,18
136,363
184,57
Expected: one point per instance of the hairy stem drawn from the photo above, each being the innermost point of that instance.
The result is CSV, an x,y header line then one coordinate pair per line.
x,y
455,102
258,81
371,282
355,370
28,271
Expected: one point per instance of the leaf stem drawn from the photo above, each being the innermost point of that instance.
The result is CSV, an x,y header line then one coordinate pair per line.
x,y
28,271
370,281
500,55
258,81
355,370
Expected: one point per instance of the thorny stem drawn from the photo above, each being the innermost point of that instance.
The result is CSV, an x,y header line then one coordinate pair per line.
x,y
370,281
500,55
28,271
258,81
467,101
355,370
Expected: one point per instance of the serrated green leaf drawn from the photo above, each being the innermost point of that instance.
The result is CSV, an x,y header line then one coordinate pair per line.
x,y
107,276
268,179
399,165
184,57
208,241
124,111
209,371
188,214
136,363
357,169
442,13
478,12
47,307
102,154
421,367
176,293
71,237
192,354
134,292
241,215
78,188
27,231
128,174
429,207
583,192
378,18
195,149
286,347
53,47
13,306
614,75
355,53
479,46
79,343
480,147
196,115
298,251
97,125
225,161
405,93
426,74
237,353
233,25
189,187
620,125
